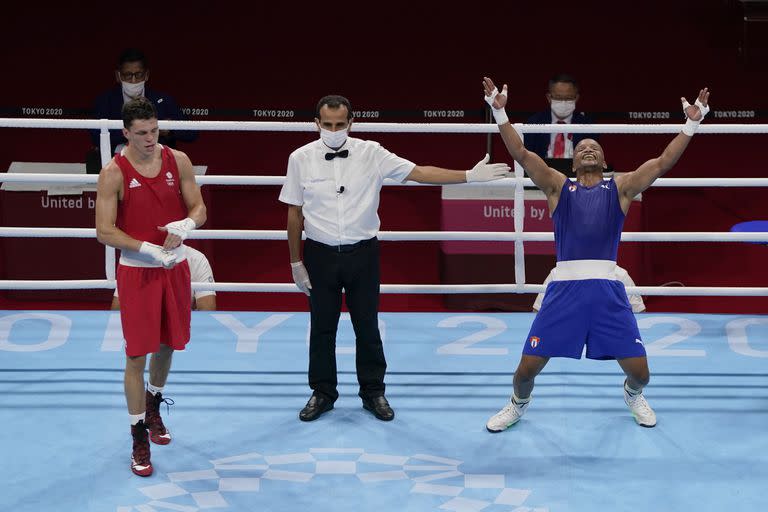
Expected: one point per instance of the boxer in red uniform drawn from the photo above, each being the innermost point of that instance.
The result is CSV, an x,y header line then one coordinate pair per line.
x,y
147,203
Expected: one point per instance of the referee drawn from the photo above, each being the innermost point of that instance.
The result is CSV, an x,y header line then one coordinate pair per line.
x,y
332,190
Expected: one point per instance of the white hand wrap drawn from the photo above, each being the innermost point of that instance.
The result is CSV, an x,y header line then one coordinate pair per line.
x,y
499,114
165,258
483,171
181,228
704,108
690,126
301,276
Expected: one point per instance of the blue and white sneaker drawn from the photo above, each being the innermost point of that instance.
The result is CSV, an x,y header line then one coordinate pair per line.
x,y
644,415
508,416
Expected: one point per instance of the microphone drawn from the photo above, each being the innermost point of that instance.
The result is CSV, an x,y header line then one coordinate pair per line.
x,y
340,190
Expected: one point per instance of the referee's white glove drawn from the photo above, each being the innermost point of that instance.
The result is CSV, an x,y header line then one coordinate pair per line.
x,y
301,276
483,171
181,228
165,258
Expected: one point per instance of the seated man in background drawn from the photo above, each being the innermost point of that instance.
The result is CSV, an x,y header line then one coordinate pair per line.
x,y
636,301
200,272
132,75
562,95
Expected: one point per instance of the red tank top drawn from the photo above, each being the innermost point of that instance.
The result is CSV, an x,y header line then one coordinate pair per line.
x,y
150,202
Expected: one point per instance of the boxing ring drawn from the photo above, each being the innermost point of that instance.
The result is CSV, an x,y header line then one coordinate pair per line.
x,y
238,444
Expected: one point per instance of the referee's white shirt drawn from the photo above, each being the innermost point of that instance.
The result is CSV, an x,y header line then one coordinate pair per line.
x,y
333,216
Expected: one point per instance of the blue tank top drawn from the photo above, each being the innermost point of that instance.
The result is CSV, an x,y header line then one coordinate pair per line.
x,y
588,222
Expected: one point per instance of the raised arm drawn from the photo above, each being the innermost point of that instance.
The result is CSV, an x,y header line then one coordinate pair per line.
x,y
634,183
547,179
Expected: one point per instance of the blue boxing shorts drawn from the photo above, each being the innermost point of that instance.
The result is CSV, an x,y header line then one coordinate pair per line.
x,y
591,312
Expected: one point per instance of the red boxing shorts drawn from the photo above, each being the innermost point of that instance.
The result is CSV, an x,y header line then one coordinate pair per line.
x,y
155,307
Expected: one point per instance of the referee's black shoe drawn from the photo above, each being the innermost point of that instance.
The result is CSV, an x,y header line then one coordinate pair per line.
x,y
317,405
379,407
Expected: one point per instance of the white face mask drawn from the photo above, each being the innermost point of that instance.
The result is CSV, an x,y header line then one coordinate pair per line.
x,y
334,140
133,90
563,108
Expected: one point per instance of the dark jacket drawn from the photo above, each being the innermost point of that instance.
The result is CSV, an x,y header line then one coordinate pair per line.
x,y
539,142
109,105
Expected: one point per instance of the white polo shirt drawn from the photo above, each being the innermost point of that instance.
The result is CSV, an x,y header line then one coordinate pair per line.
x,y
333,216
199,269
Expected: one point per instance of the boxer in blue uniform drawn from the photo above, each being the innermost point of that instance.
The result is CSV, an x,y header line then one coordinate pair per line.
x,y
586,303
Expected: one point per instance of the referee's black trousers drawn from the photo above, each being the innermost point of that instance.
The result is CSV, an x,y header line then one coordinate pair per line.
x,y
355,268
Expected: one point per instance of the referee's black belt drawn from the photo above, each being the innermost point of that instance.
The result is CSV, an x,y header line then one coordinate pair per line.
x,y
344,247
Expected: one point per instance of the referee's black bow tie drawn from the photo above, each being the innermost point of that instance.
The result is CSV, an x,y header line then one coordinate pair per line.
x,y
341,154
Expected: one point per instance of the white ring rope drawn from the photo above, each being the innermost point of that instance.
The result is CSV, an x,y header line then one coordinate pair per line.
x,y
409,236
462,128
518,236
91,179
392,288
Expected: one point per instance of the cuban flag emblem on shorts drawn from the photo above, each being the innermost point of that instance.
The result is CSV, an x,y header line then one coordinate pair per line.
x,y
534,341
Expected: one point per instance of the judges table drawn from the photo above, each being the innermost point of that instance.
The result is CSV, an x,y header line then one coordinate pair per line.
x,y
491,208
52,205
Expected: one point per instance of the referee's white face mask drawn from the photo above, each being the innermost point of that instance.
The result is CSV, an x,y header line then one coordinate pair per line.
x,y
334,140
333,124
